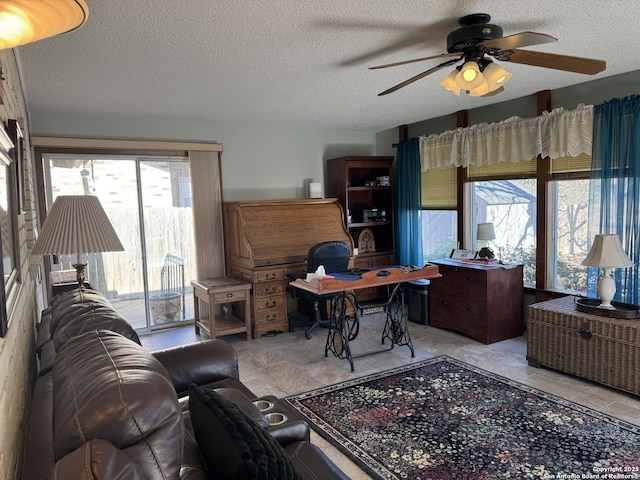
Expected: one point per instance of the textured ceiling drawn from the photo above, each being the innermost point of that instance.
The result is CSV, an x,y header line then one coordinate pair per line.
x,y
300,63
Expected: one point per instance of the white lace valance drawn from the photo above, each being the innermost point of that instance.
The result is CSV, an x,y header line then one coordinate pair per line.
x,y
553,134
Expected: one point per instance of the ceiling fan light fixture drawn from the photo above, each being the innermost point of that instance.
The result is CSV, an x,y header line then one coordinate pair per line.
x,y
449,83
480,90
496,76
25,21
469,76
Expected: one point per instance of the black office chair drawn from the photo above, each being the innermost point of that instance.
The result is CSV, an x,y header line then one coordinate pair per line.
x,y
334,256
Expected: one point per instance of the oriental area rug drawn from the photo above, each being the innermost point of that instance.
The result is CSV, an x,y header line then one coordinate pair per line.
x,y
444,419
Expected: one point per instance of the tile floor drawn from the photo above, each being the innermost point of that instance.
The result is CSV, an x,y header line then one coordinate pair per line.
x,y
288,363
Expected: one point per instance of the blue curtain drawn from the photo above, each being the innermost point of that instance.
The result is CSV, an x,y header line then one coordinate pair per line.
x,y
408,192
614,203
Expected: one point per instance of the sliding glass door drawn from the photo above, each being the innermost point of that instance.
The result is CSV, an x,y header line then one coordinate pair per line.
x,y
148,200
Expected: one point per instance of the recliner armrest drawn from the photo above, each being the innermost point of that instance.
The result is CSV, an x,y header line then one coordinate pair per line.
x,y
201,363
290,431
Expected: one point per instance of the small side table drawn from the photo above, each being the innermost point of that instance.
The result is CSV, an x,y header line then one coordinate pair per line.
x,y
222,291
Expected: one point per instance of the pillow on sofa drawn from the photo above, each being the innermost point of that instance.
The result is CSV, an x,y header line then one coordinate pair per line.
x,y
234,446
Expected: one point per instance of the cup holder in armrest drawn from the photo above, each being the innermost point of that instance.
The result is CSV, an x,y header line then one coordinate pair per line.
x,y
263,405
276,418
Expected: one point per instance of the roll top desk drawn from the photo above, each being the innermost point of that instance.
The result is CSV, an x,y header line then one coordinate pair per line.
x,y
267,240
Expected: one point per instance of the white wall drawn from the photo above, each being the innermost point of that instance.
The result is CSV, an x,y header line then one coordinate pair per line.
x,y
260,162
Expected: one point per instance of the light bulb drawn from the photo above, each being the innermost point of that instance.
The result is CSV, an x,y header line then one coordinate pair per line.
x,y
470,76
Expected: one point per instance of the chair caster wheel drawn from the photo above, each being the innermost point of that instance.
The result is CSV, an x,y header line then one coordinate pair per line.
x,y
307,336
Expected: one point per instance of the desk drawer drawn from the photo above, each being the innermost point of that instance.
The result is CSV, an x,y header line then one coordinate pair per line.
x,y
268,289
270,303
224,297
463,282
270,320
269,275
463,315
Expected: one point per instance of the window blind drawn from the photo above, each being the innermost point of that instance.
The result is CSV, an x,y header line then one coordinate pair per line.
x,y
440,188
567,164
503,170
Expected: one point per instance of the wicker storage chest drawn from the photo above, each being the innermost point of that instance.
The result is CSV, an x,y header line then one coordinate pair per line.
x,y
599,348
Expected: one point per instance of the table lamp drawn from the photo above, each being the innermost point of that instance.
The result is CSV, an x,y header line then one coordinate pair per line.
x,y
486,232
77,224
606,253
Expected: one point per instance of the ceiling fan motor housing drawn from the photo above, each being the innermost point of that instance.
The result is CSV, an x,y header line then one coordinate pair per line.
x,y
473,30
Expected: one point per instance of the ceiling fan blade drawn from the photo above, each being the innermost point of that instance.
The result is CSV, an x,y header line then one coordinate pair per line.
x,y
419,76
589,66
517,40
442,55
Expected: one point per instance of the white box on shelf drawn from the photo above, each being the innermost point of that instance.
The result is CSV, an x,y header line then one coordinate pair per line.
x,y
315,190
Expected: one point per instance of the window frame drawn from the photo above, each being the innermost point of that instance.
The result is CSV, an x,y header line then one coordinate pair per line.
x,y
9,283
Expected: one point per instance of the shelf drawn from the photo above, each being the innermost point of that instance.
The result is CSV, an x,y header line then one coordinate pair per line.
x,y
364,188
368,224
346,177
376,253
225,325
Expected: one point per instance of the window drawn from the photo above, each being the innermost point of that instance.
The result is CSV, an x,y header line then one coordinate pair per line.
x,y
439,233
148,200
568,224
504,193
506,165
439,214
511,206
8,228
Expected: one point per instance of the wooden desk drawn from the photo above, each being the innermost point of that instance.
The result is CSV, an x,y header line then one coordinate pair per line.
x,y
267,240
235,300
344,319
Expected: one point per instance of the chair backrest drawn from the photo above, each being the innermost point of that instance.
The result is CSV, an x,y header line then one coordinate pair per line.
x,y
333,255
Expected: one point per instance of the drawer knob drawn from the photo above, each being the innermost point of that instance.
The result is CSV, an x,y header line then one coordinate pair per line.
x,y
470,279
271,318
271,276
270,290
270,304
229,295
469,309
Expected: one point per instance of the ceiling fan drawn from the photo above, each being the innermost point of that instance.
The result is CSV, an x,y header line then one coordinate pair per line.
x,y
474,41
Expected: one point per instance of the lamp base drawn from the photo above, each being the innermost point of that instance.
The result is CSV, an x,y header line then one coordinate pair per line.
x,y
606,306
80,277
606,289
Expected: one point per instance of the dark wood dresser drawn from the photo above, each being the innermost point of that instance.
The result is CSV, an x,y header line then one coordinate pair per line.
x,y
484,302
267,240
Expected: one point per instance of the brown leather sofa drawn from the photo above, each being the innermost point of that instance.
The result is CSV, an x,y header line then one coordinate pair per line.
x,y
103,407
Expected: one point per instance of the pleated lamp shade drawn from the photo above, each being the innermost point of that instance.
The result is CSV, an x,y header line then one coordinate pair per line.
x,y
76,224
25,21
